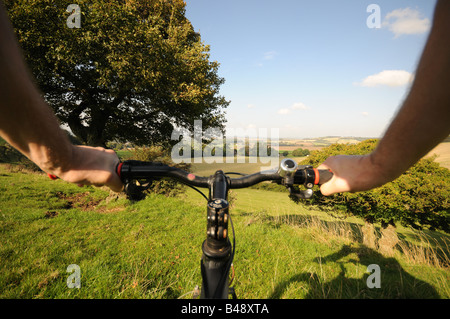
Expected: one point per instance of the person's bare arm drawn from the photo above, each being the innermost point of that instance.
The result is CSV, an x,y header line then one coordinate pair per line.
x,y
30,126
422,122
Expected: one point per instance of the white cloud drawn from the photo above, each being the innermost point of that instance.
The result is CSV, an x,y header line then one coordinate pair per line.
x,y
388,77
269,55
284,111
365,113
406,21
299,106
295,106
251,106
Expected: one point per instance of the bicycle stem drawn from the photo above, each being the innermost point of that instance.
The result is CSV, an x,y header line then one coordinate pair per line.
x,y
217,252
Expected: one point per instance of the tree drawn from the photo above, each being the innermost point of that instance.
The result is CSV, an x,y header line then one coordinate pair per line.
x,y
300,152
258,149
131,72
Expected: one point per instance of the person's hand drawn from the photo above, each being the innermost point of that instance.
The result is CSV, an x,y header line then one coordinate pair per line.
x,y
352,173
92,166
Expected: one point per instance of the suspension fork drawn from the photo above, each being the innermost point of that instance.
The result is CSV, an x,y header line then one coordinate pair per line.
x,y
217,254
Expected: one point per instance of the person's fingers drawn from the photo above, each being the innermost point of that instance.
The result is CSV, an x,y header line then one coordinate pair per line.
x,y
113,181
338,183
327,188
324,166
94,166
115,184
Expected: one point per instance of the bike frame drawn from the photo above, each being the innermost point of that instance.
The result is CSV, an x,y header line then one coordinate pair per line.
x,y
218,253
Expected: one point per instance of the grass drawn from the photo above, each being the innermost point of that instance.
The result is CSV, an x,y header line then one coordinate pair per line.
x,y
121,252
151,248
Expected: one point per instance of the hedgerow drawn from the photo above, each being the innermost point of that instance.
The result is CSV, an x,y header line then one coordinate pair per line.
x,y
418,198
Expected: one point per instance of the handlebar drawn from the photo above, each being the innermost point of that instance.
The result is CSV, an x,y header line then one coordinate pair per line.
x,y
288,174
138,170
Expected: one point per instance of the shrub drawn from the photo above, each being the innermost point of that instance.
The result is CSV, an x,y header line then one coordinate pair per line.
x,y
419,198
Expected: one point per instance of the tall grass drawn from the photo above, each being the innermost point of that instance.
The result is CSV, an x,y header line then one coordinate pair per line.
x,y
428,251
425,250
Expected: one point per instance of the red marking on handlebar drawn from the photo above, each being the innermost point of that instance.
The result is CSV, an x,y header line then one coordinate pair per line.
x,y
119,169
317,176
191,177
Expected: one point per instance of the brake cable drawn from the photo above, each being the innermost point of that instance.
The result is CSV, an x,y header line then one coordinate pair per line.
x,y
196,189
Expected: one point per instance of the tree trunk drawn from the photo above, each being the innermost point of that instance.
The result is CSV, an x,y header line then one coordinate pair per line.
x,y
94,134
74,122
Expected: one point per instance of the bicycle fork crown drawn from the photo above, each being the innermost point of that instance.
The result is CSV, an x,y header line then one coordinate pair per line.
x,y
217,222
217,255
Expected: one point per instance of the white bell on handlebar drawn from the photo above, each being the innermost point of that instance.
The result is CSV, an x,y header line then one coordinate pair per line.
x,y
288,167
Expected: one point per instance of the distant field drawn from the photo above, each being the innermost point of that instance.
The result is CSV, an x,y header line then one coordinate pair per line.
x,y
247,167
443,154
313,144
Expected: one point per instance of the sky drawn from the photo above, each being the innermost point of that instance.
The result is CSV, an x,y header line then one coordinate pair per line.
x,y
313,68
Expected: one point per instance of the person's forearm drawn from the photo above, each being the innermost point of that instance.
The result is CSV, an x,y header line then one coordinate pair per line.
x,y
26,121
421,123
424,119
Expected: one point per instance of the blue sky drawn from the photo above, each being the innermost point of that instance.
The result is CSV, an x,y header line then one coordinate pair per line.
x,y
313,68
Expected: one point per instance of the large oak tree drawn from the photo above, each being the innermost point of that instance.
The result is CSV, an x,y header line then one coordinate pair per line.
x,y
131,72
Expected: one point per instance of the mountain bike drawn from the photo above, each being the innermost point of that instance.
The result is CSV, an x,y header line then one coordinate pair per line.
x,y
217,250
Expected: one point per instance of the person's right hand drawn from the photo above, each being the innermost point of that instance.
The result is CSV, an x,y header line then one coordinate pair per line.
x,y
352,173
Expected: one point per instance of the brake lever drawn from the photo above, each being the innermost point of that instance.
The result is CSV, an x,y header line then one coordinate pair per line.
x,y
134,189
300,194
287,171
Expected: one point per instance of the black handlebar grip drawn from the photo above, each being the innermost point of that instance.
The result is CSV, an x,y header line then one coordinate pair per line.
x,y
324,176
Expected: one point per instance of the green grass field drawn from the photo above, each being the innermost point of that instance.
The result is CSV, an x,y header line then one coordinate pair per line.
x,y
152,248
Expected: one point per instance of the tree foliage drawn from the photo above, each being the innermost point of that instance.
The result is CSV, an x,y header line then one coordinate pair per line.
x,y
300,152
133,70
419,198
258,149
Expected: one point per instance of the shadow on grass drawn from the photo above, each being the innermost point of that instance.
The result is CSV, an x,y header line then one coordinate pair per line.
x,y
435,245
395,282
